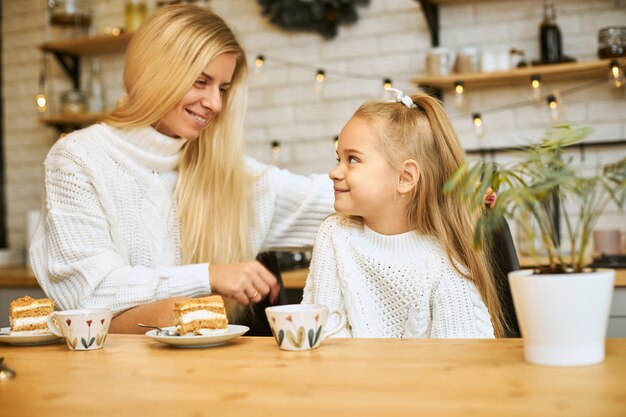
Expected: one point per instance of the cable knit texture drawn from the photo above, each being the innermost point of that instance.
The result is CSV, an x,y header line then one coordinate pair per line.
x,y
110,235
392,286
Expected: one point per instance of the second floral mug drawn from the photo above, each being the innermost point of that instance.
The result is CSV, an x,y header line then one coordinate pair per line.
x,y
82,329
302,326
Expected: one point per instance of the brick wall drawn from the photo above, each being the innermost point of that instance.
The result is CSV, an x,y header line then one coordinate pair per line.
x,y
390,40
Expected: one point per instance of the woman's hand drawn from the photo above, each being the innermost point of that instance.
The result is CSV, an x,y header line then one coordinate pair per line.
x,y
245,282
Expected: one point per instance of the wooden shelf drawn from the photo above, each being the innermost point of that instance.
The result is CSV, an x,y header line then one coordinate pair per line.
x,y
553,72
100,44
73,120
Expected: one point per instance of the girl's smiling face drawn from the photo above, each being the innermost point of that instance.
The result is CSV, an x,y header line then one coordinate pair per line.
x,y
364,182
202,102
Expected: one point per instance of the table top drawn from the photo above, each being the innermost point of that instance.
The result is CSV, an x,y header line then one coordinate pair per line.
x,y
134,375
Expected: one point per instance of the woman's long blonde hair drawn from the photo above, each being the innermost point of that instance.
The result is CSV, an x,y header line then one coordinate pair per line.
x,y
426,135
164,58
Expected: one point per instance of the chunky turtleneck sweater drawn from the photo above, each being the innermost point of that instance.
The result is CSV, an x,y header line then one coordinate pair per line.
x,y
392,285
110,233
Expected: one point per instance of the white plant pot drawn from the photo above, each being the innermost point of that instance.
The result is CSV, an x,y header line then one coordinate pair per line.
x,y
563,317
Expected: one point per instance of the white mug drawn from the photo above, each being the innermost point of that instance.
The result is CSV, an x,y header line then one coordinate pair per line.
x,y
82,329
301,326
607,242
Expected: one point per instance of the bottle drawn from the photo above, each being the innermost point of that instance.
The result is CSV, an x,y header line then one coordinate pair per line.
x,y
95,89
134,13
550,36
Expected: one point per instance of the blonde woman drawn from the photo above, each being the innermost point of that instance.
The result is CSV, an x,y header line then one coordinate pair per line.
x,y
158,201
399,258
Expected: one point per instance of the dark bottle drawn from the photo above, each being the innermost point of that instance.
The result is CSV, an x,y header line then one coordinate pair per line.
x,y
550,36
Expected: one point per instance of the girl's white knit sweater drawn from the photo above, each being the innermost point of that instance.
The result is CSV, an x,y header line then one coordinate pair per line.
x,y
110,233
392,286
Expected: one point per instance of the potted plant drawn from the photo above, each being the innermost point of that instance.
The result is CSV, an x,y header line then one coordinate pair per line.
x,y
562,304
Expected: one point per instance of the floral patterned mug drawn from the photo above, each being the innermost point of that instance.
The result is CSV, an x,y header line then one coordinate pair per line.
x,y
301,326
82,329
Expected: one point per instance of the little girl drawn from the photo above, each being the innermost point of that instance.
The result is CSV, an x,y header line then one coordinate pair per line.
x,y
398,257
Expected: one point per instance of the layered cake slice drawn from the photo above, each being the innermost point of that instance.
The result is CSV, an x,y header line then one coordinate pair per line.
x,y
203,316
27,316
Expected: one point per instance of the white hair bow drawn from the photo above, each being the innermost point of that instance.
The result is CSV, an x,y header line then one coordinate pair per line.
x,y
399,97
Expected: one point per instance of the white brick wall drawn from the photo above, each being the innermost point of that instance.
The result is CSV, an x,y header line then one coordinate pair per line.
x,y
389,40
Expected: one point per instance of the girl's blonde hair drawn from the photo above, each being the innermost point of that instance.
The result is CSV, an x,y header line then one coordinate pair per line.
x,y
163,60
425,134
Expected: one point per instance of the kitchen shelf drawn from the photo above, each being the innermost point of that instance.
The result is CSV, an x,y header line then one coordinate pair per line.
x,y
69,51
72,121
100,44
552,72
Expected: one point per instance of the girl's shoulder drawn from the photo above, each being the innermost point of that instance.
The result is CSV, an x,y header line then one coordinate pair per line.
x,y
337,221
337,226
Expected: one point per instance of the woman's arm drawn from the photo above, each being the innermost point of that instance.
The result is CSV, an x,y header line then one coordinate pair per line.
x,y
290,207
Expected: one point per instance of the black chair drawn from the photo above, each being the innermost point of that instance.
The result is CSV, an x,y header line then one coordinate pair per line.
x,y
503,259
255,317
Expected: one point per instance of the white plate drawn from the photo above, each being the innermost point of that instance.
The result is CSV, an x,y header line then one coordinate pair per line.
x,y
32,340
197,341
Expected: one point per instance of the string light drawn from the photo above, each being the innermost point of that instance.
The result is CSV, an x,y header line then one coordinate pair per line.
x,y
319,80
616,75
554,107
478,126
336,142
259,61
535,83
459,88
276,152
40,99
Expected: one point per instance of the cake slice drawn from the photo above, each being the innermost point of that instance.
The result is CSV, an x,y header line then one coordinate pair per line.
x,y
203,316
27,316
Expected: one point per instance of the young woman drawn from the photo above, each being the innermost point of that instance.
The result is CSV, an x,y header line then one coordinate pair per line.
x,y
158,201
399,257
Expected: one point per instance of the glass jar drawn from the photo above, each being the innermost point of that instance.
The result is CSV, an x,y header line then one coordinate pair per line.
x,y
70,12
73,102
134,14
612,42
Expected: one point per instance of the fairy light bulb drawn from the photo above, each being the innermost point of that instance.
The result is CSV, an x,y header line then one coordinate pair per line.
x,y
259,62
535,84
40,99
478,126
42,102
387,83
553,105
275,152
320,76
459,88
336,142
616,75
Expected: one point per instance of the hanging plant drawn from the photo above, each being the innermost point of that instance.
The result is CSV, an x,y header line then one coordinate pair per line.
x,y
321,16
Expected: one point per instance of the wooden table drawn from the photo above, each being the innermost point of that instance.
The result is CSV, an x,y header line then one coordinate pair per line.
x,y
134,376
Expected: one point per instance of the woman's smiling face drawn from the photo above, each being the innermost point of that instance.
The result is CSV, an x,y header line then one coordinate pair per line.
x,y
202,102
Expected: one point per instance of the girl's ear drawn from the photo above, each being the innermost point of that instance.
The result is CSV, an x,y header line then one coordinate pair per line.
x,y
409,177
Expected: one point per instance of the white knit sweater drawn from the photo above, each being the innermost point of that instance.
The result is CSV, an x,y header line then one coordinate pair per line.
x,y
110,234
392,286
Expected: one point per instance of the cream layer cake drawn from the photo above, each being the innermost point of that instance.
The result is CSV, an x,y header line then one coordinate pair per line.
x,y
27,316
204,316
